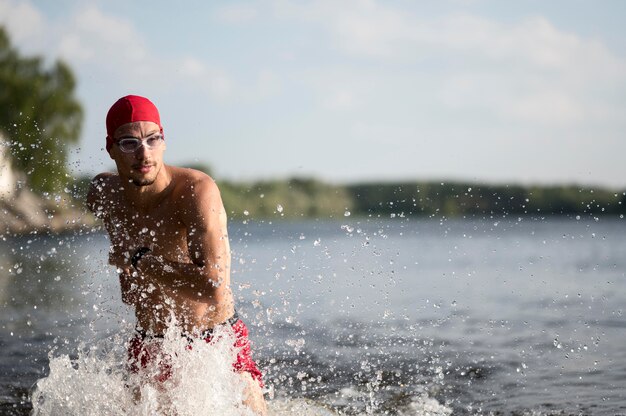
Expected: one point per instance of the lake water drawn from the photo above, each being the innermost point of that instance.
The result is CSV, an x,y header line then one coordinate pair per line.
x,y
355,316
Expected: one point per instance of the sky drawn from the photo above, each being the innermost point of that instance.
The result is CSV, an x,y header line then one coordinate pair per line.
x,y
524,92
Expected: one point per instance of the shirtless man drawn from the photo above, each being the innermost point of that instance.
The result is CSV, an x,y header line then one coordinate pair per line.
x,y
167,227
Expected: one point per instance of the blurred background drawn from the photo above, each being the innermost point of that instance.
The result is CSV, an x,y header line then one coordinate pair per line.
x,y
526,97
482,91
462,157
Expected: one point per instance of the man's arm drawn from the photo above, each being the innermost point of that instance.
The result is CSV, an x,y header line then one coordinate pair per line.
x,y
95,202
97,188
207,239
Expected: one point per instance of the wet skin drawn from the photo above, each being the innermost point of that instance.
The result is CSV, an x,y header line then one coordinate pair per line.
x,y
178,214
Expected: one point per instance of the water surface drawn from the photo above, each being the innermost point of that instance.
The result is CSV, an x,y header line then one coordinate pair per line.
x,y
367,316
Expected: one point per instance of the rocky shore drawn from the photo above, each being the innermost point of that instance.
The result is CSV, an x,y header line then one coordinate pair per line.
x,y
24,212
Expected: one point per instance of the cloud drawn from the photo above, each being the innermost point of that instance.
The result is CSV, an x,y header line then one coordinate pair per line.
x,y
24,22
105,46
340,101
236,13
527,71
86,37
548,106
215,82
532,42
93,36
220,86
113,44
358,27
268,84
367,28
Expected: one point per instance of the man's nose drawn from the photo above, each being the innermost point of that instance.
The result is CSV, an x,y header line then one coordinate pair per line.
x,y
142,152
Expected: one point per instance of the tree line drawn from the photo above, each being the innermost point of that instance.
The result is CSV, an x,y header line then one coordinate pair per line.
x,y
311,198
464,199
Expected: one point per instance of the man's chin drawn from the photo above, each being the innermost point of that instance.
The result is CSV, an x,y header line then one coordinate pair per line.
x,y
143,179
143,182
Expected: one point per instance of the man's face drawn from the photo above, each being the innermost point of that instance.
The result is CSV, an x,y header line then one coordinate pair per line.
x,y
143,165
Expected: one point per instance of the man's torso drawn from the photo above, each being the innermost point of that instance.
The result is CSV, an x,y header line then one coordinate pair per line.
x,y
161,229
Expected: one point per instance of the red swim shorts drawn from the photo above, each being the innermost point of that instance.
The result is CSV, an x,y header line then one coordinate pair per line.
x,y
141,353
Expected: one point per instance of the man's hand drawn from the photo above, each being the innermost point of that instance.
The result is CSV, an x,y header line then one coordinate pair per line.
x,y
138,254
148,264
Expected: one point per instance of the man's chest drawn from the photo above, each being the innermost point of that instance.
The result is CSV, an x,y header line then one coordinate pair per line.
x,y
161,230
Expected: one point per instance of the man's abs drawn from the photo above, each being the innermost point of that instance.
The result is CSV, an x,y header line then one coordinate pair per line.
x,y
157,310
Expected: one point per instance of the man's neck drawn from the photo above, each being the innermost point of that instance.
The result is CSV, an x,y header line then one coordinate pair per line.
x,y
146,197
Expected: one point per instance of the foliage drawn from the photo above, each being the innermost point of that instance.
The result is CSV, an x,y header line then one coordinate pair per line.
x,y
470,200
310,198
40,116
293,198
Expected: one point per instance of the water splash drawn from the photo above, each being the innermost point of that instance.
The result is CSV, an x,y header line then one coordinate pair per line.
x,y
201,382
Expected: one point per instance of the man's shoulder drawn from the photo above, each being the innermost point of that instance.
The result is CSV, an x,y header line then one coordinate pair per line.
x,y
105,183
105,178
193,182
102,188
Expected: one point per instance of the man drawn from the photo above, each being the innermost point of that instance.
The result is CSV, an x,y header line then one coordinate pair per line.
x,y
167,227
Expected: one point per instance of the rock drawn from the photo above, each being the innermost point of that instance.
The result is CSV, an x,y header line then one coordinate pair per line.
x,y
26,212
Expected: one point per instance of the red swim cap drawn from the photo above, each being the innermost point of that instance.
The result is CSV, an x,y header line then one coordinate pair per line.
x,y
128,110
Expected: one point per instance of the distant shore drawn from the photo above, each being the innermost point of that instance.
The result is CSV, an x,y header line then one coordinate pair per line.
x,y
25,212
312,198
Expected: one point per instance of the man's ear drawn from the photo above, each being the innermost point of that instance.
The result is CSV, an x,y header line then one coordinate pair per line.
x,y
109,148
110,152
